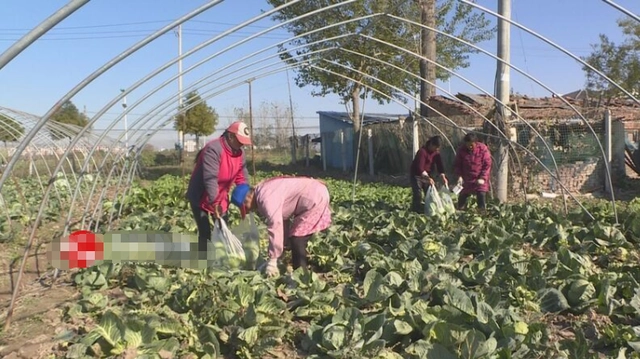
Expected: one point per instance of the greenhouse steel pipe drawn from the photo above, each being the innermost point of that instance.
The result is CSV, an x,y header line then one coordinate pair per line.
x,y
35,33
621,9
355,171
502,138
118,187
64,99
97,211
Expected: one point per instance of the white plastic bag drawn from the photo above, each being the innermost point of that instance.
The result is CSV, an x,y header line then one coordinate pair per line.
x,y
227,249
248,233
447,201
433,203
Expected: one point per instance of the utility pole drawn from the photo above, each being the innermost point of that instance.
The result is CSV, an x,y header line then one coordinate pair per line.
x,y
502,86
126,130
293,126
253,159
180,133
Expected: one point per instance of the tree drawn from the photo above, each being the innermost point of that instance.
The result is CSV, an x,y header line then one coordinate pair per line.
x,y
198,120
10,130
619,62
69,121
452,17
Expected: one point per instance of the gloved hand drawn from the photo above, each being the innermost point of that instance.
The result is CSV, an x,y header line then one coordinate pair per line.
x,y
480,181
272,268
425,178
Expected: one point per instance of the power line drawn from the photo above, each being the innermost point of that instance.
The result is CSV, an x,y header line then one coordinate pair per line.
x,y
143,31
132,23
45,38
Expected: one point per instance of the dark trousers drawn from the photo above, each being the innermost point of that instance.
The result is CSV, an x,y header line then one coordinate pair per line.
x,y
418,191
204,227
480,196
299,251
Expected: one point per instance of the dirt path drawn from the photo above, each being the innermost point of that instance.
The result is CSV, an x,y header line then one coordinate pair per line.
x,y
37,315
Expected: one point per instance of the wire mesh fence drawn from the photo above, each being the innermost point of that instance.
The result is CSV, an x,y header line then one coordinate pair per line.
x,y
547,156
558,151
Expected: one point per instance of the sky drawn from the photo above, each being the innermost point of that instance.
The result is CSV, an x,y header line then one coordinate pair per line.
x,y
102,29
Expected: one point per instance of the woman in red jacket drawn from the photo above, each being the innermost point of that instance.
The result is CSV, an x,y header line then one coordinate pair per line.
x,y
473,168
423,163
219,165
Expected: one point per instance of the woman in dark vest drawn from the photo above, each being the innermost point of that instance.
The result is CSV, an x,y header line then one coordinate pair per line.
x,y
219,165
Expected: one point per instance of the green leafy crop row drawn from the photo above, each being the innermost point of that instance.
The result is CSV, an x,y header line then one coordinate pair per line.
x,y
522,282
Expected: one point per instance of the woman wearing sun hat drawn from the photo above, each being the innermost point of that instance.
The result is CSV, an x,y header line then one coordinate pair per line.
x,y
276,200
219,165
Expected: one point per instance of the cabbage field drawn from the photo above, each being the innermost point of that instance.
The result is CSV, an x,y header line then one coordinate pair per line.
x,y
526,281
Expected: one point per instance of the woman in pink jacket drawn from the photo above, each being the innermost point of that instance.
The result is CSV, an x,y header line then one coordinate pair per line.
x,y
473,168
279,199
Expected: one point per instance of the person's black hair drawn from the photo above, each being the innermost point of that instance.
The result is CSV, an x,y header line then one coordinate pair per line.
x,y
470,137
434,141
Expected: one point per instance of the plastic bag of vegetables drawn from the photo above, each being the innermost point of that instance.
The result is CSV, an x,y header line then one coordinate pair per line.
x,y
447,200
433,203
247,232
227,249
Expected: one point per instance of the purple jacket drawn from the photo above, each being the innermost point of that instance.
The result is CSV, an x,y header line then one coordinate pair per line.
x,y
424,160
472,166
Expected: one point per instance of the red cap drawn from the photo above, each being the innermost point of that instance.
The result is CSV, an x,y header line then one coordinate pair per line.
x,y
241,131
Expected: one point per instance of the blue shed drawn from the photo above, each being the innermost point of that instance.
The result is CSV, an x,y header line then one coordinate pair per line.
x,y
337,128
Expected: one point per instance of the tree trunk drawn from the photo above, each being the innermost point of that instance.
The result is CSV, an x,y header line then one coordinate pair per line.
x,y
428,51
197,142
355,99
